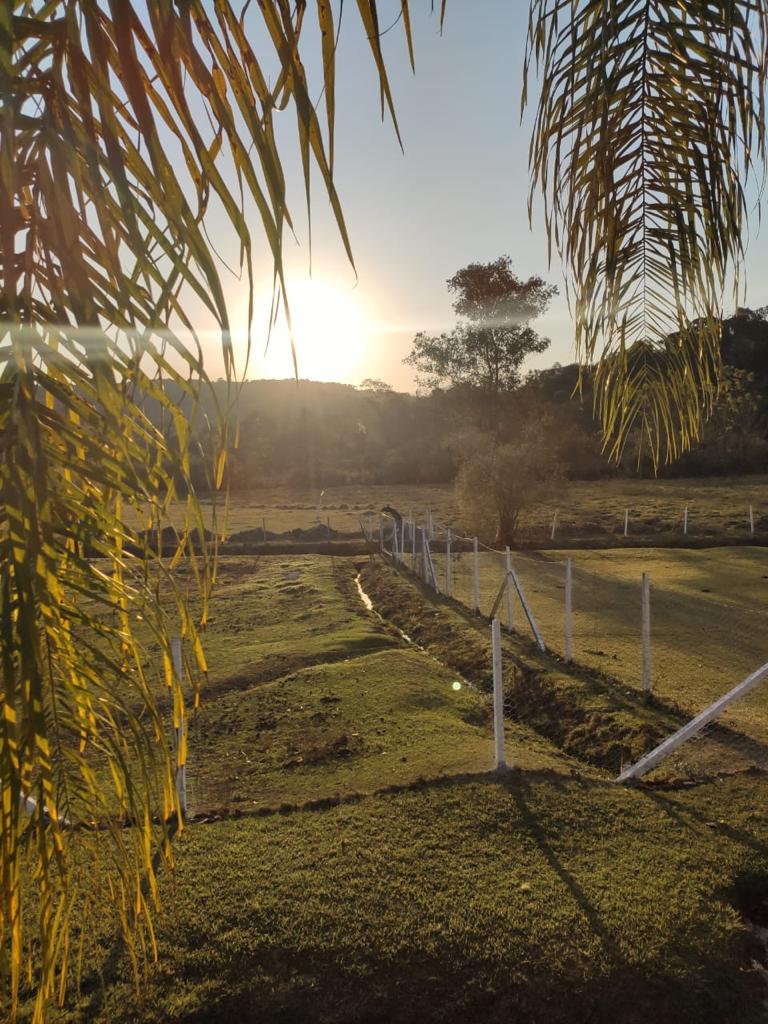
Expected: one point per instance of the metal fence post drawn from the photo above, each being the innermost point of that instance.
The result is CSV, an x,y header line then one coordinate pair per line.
x,y
475,576
498,694
568,610
646,633
510,602
626,521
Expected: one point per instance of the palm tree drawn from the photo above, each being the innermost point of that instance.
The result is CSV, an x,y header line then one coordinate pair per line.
x,y
650,121
122,124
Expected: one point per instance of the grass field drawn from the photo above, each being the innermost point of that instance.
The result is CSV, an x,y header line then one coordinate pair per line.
x,y
355,859
709,617
588,511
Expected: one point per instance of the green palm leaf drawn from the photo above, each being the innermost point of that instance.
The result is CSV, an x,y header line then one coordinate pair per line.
x,y
122,124
650,120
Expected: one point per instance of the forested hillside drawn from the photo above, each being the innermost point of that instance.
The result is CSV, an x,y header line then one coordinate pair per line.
x,y
317,434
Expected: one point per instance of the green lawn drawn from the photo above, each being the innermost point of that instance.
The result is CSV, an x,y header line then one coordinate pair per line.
x,y
270,615
540,898
354,859
709,618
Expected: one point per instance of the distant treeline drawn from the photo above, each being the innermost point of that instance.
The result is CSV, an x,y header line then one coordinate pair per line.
x,y
321,435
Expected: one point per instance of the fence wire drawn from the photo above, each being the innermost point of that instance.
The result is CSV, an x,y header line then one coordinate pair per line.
x,y
709,628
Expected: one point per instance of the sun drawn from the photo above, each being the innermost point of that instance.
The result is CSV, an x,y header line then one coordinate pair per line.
x,y
330,332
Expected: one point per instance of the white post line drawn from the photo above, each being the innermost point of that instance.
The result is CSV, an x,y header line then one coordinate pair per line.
x,y
181,769
370,527
685,521
510,601
413,545
527,610
626,522
646,633
568,611
554,525
448,565
431,572
671,743
430,527
498,694
751,522
475,576
395,548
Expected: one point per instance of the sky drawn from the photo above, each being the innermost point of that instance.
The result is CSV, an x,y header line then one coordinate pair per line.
x,y
457,194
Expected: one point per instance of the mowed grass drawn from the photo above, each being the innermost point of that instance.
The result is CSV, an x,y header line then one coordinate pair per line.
x,y
370,867
709,620
536,898
310,695
270,615
348,728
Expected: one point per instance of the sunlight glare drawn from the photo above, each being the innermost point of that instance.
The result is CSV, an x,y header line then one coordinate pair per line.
x,y
330,330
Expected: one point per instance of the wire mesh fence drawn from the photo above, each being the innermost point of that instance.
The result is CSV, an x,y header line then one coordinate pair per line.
x,y
709,630
708,612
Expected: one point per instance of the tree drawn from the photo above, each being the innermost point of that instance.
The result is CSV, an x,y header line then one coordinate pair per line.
x,y
380,387
486,350
498,481
648,127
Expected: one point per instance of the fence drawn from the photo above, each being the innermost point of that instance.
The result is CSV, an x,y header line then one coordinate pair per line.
x,y
684,625
702,628
705,517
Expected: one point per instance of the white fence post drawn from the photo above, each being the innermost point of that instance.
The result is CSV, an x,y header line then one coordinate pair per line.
x,y
526,608
671,743
751,522
448,565
413,545
568,611
626,522
475,576
181,769
685,521
498,694
430,575
646,633
510,602
554,524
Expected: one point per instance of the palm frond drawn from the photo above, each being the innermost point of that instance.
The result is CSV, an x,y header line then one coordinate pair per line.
x,y
122,125
649,125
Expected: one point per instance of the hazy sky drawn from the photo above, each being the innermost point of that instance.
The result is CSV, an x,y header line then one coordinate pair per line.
x,y
457,195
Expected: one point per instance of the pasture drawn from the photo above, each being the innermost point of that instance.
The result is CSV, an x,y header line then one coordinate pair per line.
x,y
588,512
352,857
